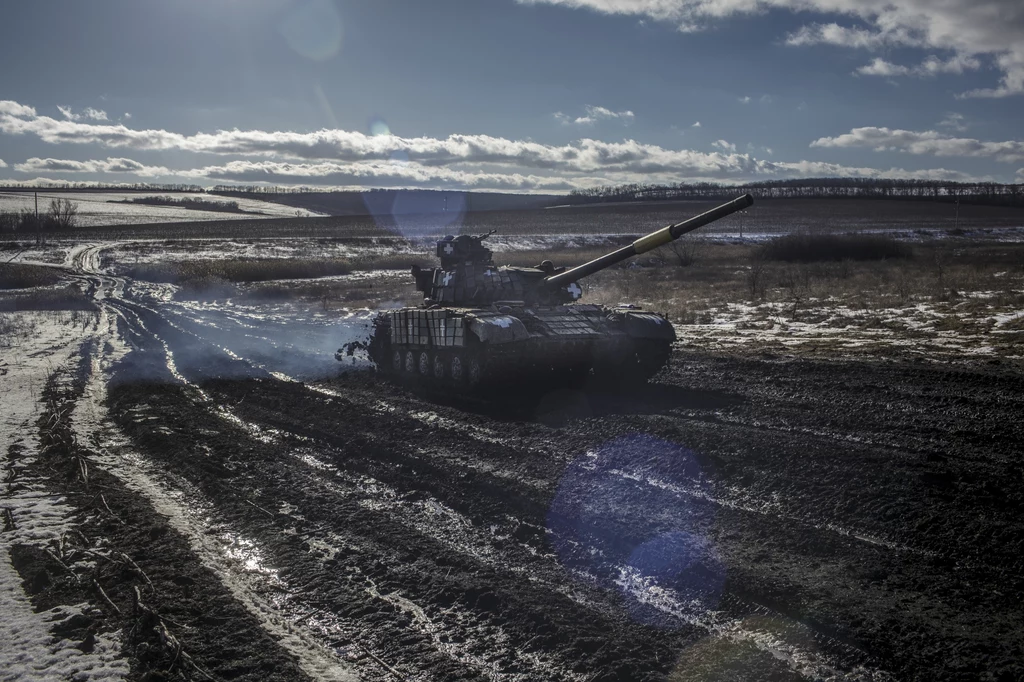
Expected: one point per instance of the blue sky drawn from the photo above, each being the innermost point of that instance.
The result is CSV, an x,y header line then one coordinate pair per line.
x,y
528,95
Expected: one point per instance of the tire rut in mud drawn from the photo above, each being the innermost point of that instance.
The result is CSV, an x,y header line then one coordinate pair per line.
x,y
186,624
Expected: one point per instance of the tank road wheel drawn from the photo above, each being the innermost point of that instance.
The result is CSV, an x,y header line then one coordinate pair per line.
x,y
410,362
396,361
424,363
474,371
438,366
458,372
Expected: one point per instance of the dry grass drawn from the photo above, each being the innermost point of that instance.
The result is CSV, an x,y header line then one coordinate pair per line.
x,y
814,248
943,274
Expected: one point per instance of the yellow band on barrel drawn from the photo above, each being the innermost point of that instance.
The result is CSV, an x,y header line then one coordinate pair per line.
x,y
653,240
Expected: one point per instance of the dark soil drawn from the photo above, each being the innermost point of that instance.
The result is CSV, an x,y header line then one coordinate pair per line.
x,y
741,518
866,513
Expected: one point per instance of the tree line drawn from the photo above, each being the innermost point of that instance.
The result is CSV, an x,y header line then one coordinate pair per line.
x,y
831,188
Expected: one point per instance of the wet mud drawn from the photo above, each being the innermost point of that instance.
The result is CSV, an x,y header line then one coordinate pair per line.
x,y
740,518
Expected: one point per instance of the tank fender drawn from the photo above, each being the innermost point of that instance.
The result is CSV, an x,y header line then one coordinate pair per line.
x,y
497,328
644,325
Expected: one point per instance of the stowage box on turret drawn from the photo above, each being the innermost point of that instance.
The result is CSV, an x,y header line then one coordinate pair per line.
x,y
481,323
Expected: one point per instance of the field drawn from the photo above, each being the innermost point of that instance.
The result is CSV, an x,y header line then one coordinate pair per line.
x,y
823,484
118,208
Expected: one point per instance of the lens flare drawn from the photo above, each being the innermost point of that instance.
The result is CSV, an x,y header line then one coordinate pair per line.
x,y
379,127
634,514
314,30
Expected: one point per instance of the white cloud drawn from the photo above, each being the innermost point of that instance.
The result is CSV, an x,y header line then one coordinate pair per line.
x,y
818,169
2,164
109,165
127,116
335,157
9,108
932,66
696,124
966,28
87,113
595,114
925,142
585,155
562,118
954,121
744,100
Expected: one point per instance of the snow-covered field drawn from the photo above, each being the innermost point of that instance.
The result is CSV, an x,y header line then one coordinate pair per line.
x,y
102,208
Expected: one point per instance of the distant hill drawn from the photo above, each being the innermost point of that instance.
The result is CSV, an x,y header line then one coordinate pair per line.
x,y
397,201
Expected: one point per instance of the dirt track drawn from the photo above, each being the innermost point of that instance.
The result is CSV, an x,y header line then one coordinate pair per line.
x,y
743,518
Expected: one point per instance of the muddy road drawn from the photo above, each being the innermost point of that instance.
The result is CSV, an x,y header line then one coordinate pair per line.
x,y
741,518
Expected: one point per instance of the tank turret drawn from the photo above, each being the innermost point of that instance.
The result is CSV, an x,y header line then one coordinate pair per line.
x,y
482,322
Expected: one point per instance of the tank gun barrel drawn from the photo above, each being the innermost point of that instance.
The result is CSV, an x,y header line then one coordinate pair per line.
x,y
655,239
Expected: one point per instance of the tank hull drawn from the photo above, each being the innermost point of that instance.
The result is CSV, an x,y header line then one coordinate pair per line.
x,y
469,347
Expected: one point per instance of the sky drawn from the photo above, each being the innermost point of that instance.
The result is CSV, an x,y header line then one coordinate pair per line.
x,y
510,95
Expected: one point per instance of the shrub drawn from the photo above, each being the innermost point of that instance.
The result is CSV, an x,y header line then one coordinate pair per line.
x,y
809,248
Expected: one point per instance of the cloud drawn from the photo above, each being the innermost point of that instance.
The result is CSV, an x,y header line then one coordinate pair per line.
x,y
109,165
127,116
744,100
819,169
2,164
595,114
87,113
925,142
9,108
954,121
581,156
383,174
336,157
932,66
696,124
965,28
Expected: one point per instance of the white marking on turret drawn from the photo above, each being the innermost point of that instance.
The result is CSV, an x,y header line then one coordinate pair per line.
x,y
574,290
503,322
448,278
449,249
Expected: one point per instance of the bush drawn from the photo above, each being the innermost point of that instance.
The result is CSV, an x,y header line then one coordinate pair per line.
x,y
810,248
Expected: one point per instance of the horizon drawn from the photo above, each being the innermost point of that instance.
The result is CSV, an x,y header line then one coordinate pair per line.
x,y
525,97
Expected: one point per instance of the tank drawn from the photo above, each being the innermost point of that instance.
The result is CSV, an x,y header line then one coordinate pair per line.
x,y
481,324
